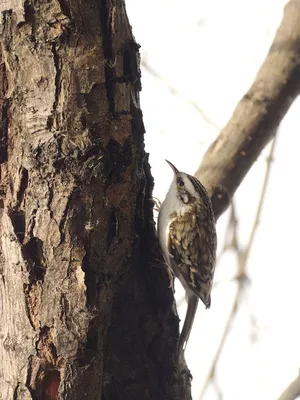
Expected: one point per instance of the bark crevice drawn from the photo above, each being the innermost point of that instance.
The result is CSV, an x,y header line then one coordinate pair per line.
x,y
92,304
107,15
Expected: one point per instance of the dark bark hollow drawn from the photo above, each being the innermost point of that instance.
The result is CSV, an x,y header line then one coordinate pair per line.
x,y
86,314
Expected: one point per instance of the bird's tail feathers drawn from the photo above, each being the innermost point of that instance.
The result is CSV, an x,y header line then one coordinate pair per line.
x,y
192,304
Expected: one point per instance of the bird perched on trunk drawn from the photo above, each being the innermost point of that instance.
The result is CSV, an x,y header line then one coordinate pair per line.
x,y
187,236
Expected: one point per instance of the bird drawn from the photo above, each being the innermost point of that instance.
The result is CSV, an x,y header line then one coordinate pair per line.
x,y
187,236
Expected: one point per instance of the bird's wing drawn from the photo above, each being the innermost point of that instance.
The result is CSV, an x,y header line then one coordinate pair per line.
x,y
191,245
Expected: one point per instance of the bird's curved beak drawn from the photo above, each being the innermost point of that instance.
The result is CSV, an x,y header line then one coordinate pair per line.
x,y
175,170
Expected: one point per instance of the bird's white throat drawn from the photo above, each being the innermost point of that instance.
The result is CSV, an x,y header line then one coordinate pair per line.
x,y
172,204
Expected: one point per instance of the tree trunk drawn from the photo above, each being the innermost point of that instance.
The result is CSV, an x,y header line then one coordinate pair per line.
x,y
86,312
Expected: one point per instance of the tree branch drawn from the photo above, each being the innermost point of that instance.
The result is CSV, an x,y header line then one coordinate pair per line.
x,y
292,391
241,270
257,115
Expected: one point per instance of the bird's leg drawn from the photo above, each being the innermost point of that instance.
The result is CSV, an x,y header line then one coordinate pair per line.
x,y
156,204
170,273
171,278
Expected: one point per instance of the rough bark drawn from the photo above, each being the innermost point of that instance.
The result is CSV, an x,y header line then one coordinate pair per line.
x,y
85,312
257,116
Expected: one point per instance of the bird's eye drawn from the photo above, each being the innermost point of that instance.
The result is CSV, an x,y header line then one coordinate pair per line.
x,y
180,182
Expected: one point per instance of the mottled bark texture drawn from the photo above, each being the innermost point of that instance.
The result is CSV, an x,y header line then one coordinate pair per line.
x,y
85,311
257,116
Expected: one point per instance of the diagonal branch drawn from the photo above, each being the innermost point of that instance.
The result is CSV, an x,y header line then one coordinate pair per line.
x,y
241,273
292,391
257,115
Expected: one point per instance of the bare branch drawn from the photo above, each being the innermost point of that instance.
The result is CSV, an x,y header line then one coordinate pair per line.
x,y
175,92
292,391
231,239
241,273
257,115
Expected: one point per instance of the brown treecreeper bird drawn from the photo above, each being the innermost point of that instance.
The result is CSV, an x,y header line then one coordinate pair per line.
x,y
187,236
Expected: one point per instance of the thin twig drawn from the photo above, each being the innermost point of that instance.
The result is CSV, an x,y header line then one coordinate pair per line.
x,y
175,92
241,273
231,238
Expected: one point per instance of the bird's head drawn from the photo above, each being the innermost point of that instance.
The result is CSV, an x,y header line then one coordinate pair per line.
x,y
183,186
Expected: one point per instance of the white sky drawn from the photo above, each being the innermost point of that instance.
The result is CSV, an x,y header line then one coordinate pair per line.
x,y
210,51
